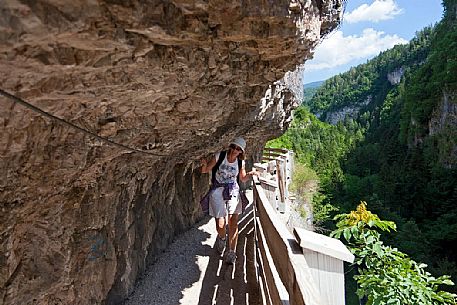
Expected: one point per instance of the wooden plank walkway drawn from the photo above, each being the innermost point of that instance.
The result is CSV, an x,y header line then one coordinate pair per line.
x,y
191,272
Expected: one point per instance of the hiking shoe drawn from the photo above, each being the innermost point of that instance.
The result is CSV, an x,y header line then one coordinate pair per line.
x,y
231,257
220,244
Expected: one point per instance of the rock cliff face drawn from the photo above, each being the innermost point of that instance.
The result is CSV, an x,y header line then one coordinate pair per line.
x,y
394,77
442,125
175,80
352,111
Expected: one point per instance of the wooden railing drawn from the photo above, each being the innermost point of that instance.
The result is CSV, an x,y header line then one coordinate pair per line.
x,y
279,162
285,277
300,268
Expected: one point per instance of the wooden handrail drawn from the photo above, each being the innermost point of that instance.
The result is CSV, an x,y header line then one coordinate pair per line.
x,y
285,252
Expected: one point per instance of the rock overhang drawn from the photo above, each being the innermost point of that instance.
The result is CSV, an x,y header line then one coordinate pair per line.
x,y
177,79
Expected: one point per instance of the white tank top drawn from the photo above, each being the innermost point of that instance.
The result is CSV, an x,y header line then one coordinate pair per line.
x,y
228,171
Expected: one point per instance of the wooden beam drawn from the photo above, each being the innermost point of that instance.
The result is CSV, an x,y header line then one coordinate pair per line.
x,y
279,150
272,154
271,159
260,166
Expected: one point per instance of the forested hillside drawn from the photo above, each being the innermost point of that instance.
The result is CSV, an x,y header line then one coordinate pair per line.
x,y
310,89
387,135
366,86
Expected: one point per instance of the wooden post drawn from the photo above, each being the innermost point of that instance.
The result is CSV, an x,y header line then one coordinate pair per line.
x,y
284,168
325,257
280,175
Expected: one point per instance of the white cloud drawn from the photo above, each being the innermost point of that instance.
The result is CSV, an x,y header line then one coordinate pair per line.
x,y
379,10
337,49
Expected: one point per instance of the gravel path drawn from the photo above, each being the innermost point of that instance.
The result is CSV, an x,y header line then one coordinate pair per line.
x,y
191,272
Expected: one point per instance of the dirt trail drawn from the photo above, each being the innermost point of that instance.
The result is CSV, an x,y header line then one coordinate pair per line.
x,y
191,272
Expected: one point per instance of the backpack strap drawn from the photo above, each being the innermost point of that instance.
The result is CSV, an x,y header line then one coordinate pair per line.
x,y
240,164
219,162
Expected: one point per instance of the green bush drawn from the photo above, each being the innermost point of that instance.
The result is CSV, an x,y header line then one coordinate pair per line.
x,y
386,275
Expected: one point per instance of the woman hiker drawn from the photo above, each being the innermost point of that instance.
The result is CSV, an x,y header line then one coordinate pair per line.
x,y
224,197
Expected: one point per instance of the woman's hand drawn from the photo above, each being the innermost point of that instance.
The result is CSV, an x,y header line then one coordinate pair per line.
x,y
253,173
244,176
204,165
207,166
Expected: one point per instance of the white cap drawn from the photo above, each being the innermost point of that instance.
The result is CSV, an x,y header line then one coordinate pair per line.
x,y
239,142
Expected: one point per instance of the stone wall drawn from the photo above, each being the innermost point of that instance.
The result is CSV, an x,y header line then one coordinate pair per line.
x,y
80,219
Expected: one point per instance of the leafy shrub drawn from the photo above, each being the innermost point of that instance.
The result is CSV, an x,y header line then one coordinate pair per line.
x,y
386,275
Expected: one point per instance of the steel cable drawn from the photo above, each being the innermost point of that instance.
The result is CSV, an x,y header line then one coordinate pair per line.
x,y
22,102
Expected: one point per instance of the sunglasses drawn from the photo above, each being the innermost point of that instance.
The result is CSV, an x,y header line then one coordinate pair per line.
x,y
232,146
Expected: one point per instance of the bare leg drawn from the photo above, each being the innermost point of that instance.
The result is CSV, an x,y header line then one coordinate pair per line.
x,y
233,231
220,227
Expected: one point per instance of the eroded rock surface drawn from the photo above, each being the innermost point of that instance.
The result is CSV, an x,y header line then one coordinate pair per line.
x,y
80,219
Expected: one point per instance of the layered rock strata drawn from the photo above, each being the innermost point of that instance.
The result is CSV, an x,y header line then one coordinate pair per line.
x,y
173,80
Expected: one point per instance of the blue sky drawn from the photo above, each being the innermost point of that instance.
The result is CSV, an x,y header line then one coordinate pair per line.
x,y
369,27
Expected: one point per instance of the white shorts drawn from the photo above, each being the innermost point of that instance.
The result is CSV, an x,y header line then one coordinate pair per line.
x,y
218,207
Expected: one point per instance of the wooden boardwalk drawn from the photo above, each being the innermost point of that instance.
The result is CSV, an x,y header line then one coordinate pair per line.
x,y
236,284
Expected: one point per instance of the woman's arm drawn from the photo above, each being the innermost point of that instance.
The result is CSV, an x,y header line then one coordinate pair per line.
x,y
207,166
245,176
